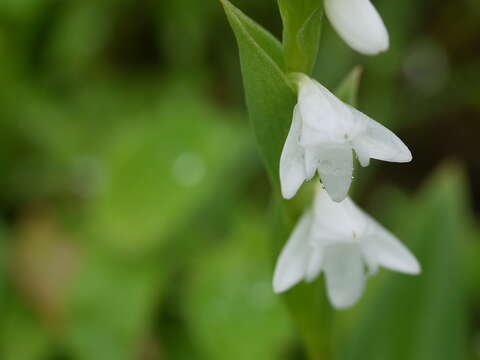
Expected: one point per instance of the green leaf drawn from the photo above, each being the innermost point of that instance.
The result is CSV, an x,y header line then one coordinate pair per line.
x,y
261,37
302,20
22,337
110,308
313,317
421,317
270,101
148,173
3,269
80,36
270,98
232,312
347,91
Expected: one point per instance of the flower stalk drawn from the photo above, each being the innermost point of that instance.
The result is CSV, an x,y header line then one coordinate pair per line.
x,y
304,130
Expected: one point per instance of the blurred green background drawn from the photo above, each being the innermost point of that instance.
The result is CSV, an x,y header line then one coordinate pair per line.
x,y
134,210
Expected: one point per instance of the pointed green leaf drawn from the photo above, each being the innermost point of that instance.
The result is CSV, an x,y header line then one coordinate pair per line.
x,y
421,317
347,91
270,98
263,39
302,20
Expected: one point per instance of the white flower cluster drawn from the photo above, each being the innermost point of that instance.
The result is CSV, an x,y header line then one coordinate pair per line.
x,y
335,236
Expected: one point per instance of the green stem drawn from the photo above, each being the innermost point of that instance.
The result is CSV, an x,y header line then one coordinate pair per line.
x,y
306,303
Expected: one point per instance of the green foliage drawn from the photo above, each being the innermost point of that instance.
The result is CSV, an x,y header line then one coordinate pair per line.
x,y
302,20
101,328
270,102
3,268
98,102
178,142
270,99
312,313
347,91
22,336
231,309
422,317
80,36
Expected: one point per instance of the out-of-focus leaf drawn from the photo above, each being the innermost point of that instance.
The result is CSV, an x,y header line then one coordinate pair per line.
x,y
22,10
421,318
312,312
302,20
231,310
159,167
43,261
4,254
22,337
3,266
79,37
347,91
270,99
194,18
472,265
110,308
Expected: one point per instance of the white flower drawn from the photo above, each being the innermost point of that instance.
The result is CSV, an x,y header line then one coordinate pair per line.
x,y
343,242
359,24
323,133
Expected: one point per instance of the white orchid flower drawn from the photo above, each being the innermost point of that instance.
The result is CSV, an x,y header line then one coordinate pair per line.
x,y
323,135
346,244
359,24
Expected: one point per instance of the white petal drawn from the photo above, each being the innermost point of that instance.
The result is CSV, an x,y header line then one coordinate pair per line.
x,y
292,160
359,24
336,221
383,248
371,262
324,116
335,167
363,155
379,142
315,263
311,161
293,260
345,274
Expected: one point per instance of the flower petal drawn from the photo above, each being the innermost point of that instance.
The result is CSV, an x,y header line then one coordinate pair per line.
x,y
335,167
293,260
336,221
292,160
383,248
324,115
359,24
315,263
345,274
379,142
363,155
